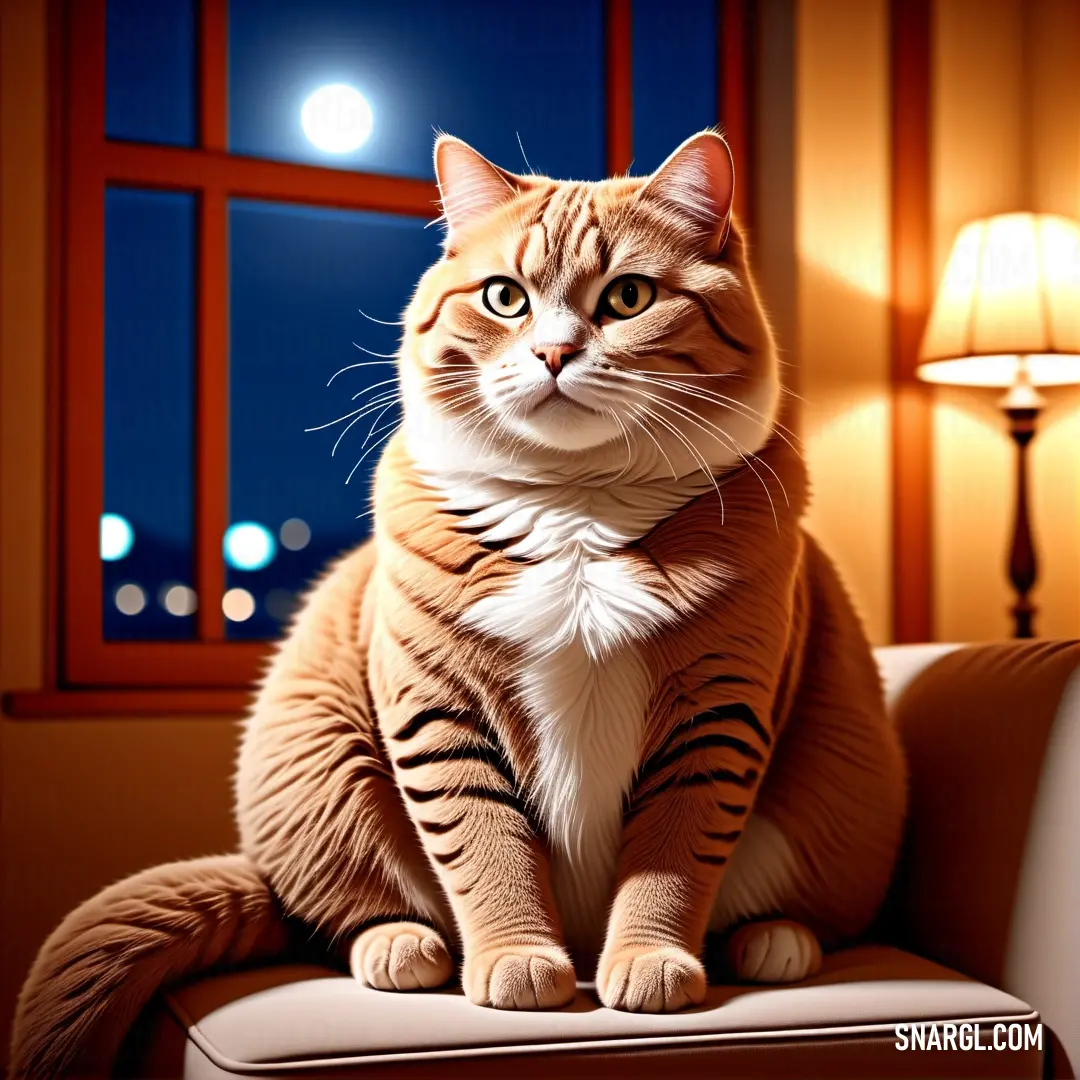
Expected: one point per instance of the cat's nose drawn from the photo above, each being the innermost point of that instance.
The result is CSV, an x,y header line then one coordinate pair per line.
x,y
555,356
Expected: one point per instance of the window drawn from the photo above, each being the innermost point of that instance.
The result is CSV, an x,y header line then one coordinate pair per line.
x,y
227,241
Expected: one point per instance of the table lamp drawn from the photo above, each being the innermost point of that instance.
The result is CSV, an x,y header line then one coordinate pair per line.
x,y
1007,314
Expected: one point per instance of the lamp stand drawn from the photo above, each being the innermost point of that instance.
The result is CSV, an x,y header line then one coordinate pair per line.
x,y
1022,405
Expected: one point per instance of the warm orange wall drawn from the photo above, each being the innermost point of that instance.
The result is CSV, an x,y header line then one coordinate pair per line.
x,y
842,245
82,802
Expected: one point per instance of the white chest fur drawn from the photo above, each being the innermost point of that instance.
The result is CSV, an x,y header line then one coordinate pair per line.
x,y
586,689
578,614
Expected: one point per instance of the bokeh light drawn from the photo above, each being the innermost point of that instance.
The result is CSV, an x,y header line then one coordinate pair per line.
x,y
295,534
249,546
117,537
179,600
238,605
130,599
281,603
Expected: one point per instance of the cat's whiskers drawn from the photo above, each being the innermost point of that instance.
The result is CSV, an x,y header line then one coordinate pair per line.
x,y
518,444
367,410
635,420
395,424
723,401
383,355
735,445
480,409
371,430
381,403
476,411
381,322
471,392
721,436
331,423
629,449
496,430
694,452
441,381
450,379
627,358
711,429
372,447
374,386
662,379
358,411
789,437
362,363
501,429
720,400
691,374
456,391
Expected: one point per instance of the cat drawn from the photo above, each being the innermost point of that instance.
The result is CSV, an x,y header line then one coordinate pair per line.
x,y
588,693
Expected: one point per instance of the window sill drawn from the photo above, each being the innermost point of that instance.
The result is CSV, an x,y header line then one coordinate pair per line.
x,y
42,704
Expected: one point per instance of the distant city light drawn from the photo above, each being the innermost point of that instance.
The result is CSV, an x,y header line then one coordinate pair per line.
x,y
336,119
238,605
249,546
130,599
295,534
280,604
179,600
117,537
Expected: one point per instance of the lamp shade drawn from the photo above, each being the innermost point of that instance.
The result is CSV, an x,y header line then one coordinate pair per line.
x,y
1008,302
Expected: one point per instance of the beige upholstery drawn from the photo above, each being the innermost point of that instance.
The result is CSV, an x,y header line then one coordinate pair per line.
x,y
990,881
304,1016
991,868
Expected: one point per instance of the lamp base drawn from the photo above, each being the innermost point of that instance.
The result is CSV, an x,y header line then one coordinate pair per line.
x,y
1023,565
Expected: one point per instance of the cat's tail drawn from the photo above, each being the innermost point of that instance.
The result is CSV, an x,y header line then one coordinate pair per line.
x,y
108,958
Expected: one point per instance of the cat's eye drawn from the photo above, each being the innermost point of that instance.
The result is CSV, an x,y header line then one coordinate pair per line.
x,y
627,296
505,298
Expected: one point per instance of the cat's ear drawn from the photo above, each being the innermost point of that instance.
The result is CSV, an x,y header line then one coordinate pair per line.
x,y
470,187
697,185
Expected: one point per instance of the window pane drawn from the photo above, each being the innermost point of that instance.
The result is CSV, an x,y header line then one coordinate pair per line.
x,y
150,71
480,69
675,78
298,278
147,524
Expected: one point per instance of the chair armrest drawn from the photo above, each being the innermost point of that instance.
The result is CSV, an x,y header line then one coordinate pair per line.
x,y
989,882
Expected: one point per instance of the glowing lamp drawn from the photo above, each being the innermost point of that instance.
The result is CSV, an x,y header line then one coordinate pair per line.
x,y
1007,314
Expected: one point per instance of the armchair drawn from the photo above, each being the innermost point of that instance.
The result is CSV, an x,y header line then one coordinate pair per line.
x,y
982,928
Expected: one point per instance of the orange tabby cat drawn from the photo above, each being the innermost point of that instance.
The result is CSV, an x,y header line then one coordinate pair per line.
x,y
588,693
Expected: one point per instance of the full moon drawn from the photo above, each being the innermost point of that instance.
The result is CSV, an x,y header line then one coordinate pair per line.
x,y
336,118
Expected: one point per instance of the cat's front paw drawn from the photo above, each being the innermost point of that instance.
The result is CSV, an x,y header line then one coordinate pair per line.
x,y
640,979
520,977
400,956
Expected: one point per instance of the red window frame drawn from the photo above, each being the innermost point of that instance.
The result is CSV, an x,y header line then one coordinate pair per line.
x,y
209,674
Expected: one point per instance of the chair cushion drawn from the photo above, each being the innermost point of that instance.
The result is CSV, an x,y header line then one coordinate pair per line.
x,y
990,882
302,1021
